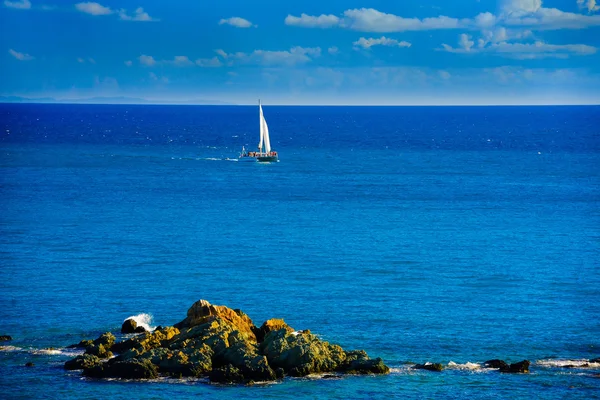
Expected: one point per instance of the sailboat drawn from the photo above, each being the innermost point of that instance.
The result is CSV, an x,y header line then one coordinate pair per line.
x,y
264,153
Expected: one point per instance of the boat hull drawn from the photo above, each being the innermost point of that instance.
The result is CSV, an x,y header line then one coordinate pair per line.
x,y
267,159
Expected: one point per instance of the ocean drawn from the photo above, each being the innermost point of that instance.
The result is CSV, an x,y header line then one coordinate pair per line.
x,y
419,234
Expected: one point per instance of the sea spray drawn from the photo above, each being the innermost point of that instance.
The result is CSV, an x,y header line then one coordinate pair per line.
x,y
142,320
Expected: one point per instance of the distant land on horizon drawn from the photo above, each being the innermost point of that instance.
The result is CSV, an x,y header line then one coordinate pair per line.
x,y
108,100
142,101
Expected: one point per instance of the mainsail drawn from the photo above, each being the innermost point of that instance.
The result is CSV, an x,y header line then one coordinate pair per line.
x,y
264,132
260,121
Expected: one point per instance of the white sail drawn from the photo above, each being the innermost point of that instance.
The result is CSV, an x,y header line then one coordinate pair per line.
x,y
262,134
266,134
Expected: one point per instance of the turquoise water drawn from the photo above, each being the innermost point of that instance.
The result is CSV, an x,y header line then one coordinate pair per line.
x,y
451,234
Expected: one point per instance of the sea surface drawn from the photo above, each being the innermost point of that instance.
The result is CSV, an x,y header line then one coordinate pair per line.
x,y
419,234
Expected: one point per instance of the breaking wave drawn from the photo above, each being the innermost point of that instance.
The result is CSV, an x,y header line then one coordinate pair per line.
x,y
563,363
144,320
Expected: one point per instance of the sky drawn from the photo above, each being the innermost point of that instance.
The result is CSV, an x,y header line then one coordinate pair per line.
x,y
303,52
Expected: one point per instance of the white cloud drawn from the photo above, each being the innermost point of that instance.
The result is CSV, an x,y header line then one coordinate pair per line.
x,y
107,84
221,52
296,55
91,60
309,21
333,50
236,21
548,19
371,20
382,41
80,60
93,8
465,42
129,63
139,15
209,62
20,4
527,51
182,61
521,6
148,61
20,56
514,13
589,4
485,20
162,79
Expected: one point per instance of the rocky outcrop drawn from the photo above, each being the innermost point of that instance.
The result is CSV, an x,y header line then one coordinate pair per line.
x,y
5,338
130,369
131,326
224,345
101,346
85,361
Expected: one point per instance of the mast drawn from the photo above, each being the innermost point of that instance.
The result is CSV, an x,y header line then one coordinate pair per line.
x,y
260,124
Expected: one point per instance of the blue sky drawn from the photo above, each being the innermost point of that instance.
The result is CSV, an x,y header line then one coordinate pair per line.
x,y
308,52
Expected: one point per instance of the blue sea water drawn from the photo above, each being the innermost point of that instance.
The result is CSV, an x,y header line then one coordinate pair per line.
x,y
420,234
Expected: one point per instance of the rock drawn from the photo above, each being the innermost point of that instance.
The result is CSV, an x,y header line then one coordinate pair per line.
x,y
522,367
301,354
5,338
81,345
85,361
202,311
223,344
271,325
367,366
130,369
593,360
147,341
435,367
227,374
29,364
140,329
495,363
129,326
101,346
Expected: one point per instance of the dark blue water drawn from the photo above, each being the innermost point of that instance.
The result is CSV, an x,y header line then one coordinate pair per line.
x,y
443,234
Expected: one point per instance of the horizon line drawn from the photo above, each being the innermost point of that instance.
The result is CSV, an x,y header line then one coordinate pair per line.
x,y
223,104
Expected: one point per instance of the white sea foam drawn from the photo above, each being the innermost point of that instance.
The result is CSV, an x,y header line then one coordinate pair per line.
x,y
562,363
142,320
10,348
48,352
468,366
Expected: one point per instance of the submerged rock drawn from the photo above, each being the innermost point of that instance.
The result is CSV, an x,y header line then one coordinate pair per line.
x,y
224,345
5,338
495,363
522,367
435,367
